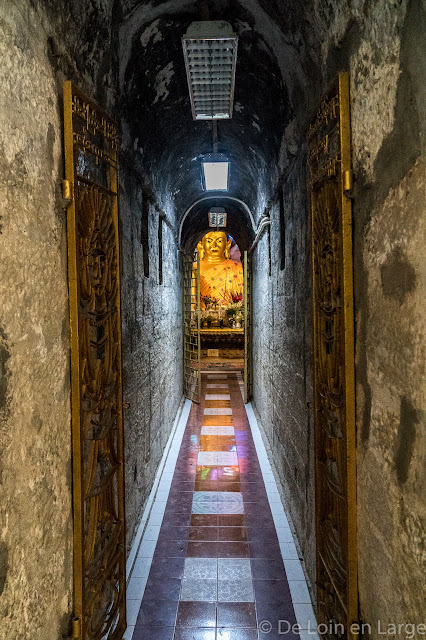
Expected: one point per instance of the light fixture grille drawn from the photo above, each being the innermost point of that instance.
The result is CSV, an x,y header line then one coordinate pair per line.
x,y
210,68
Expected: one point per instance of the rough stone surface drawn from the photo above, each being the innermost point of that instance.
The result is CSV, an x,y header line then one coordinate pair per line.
x,y
127,55
380,44
35,447
152,345
282,346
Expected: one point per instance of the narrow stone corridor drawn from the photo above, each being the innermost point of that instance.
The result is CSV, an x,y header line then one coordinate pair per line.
x,y
217,560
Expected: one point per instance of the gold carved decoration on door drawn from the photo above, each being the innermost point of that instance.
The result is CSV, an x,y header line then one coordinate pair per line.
x,y
97,421
191,327
330,181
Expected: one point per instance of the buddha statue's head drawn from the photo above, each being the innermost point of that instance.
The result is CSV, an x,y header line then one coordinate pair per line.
x,y
215,246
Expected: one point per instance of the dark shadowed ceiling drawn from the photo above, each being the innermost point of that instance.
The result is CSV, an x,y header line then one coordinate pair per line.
x,y
275,79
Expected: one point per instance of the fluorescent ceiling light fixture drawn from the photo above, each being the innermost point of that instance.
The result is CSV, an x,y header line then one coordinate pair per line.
x,y
210,52
215,172
217,217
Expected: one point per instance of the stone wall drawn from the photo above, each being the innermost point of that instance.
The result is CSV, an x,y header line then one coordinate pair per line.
x,y
35,446
282,346
42,44
152,344
382,45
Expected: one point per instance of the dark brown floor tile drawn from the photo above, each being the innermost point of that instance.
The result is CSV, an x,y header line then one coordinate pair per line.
x,y
260,508
260,549
202,550
167,568
153,633
182,497
171,532
236,520
279,635
196,614
232,534
164,589
201,485
173,519
171,548
272,591
217,404
187,633
228,486
253,493
233,550
204,520
157,613
203,534
237,634
266,533
274,613
252,477
206,474
265,569
236,614
214,421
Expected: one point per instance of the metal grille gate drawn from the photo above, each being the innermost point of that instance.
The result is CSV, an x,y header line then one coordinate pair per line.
x,y
330,179
191,327
247,330
97,416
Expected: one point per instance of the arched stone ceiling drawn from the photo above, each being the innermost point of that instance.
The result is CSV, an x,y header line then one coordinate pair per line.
x,y
275,78
194,224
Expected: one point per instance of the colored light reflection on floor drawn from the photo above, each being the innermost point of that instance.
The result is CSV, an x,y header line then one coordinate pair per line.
x,y
217,570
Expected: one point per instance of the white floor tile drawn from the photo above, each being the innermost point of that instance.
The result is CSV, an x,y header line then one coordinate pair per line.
x,y
217,385
235,591
280,519
308,634
284,534
305,616
141,567
156,518
200,568
158,507
234,569
217,458
198,590
132,607
152,532
294,570
299,592
217,431
136,588
218,412
147,548
288,551
218,396
128,634
162,496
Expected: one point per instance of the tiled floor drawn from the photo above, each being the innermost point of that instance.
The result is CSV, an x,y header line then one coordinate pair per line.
x,y
217,560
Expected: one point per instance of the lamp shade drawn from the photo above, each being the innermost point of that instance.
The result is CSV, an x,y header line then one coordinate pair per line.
x,y
210,52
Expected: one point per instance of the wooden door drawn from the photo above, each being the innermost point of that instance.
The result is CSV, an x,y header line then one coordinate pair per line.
x,y
330,181
191,327
247,330
97,417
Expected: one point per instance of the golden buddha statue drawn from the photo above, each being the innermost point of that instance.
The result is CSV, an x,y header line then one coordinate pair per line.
x,y
220,277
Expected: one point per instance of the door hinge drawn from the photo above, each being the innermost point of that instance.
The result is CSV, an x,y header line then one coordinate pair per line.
x,y
76,628
348,181
67,192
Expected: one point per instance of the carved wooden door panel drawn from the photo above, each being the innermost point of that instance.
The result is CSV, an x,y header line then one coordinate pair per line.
x,y
191,327
247,330
97,422
330,180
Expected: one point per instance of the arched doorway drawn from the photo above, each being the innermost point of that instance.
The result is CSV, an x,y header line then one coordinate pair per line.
x,y
216,293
